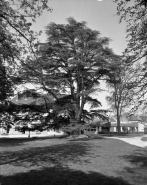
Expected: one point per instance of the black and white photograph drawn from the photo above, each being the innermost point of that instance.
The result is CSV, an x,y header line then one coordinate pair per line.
x,y
73,92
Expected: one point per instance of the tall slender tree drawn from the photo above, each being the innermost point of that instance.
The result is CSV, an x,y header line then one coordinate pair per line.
x,y
123,88
134,13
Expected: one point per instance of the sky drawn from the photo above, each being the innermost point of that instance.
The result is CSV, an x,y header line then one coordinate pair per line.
x,y
99,15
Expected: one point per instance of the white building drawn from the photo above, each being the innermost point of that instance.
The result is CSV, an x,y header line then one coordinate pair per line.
x,y
128,124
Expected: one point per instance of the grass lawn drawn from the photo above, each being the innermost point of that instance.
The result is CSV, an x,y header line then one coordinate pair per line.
x,y
129,135
60,161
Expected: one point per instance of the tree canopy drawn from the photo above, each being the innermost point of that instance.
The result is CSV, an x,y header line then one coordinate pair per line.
x,y
16,37
17,40
72,61
135,14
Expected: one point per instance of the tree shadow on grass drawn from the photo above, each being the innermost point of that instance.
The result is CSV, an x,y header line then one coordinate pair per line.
x,y
87,138
61,176
138,168
139,158
8,142
67,163
55,154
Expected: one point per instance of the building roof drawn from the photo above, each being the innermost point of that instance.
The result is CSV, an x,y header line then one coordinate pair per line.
x,y
127,124
126,118
29,100
102,124
112,119
143,118
26,99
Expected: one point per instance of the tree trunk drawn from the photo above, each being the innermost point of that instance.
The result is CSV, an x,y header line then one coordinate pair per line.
x,y
118,122
117,109
79,110
77,114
